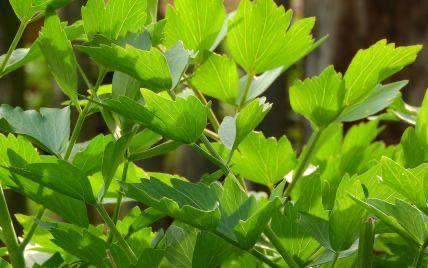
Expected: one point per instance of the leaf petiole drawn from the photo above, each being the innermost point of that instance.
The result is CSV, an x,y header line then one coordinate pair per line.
x,y
125,246
9,235
304,160
13,45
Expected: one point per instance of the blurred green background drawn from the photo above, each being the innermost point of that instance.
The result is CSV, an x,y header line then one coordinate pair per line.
x,y
350,24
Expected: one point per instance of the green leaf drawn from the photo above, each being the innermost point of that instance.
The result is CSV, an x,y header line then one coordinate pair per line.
x,y
217,77
404,182
248,231
80,242
49,128
243,218
40,236
320,98
380,98
258,38
212,251
114,19
148,66
68,208
181,120
298,46
196,23
180,245
125,85
422,125
371,66
346,215
263,160
89,159
114,154
22,8
365,243
285,223
413,152
234,129
317,228
191,203
55,174
377,208
412,220
22,56
59,55
143,140
235,205
178,59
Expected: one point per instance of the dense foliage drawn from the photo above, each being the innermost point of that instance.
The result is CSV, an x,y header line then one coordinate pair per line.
x,y
346,200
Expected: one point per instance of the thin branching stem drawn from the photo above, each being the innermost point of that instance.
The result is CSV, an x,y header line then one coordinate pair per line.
x,y
82,116
9,234
13,45
253,251
211,115
279,247
125,246
33,228
250,78
304,160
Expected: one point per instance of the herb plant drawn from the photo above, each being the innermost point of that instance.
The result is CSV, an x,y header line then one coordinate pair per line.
x,y
345,200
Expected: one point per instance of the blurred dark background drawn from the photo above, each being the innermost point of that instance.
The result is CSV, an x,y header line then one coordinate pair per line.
x,y
350,24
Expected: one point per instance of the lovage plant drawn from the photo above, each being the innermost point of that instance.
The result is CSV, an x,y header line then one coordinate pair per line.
x,y
345,200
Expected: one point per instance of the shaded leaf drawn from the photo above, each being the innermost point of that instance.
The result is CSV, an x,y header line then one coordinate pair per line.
x,y
68,208
195,204
177,58
50,127
55,174
148,66
59,55
234,129
346,216
89,159
182,120
113,156
380,98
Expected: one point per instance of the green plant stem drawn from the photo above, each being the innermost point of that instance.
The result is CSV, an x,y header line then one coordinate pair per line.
x,y
32,230
420,257
9,235
253,252
224,166
281,250
120,194
82,116
250,78
336,257
304,159
118,201
13,45
365,243
106,218
214,153
76,131
211,134
155,151
211,115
